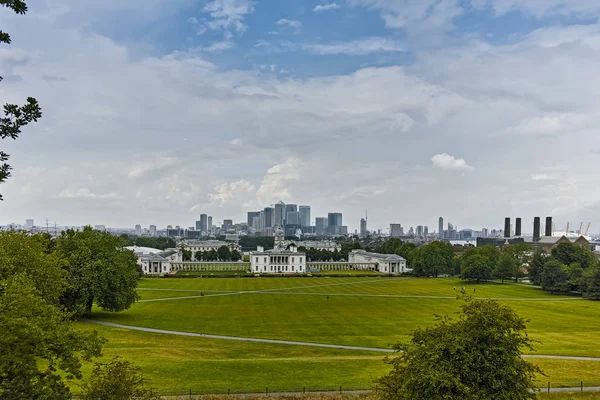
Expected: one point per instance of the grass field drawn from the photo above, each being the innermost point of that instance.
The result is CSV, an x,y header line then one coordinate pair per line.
x,y
359,311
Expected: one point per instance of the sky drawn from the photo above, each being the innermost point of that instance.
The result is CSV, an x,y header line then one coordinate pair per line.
x,y
156,111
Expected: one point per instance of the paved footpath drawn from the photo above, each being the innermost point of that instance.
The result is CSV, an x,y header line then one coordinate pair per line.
x,y
294,343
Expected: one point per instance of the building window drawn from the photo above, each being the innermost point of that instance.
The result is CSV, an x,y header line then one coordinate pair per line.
x,y
292,259
300,268
300,259
257,259
265,260
292,268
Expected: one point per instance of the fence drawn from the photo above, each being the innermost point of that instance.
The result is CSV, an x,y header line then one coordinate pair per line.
x,y
543,387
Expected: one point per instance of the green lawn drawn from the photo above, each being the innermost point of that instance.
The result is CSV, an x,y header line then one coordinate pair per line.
x,y
359,311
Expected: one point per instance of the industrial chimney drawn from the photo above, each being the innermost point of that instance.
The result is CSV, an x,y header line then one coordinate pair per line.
x,y
548,226
536,229
507,227
518,227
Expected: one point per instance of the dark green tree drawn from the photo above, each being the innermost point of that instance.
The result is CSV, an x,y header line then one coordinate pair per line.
x,y
99,271
592,289
569,253
186,255
15,117
536,266
476,267
116,380
477,356
506,268
553,277
235,255
223,253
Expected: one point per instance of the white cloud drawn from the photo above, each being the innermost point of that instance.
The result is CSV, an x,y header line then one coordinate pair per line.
x,y
357,47
544,8
450,163
228,15
219,47
290,23
415,14
326,7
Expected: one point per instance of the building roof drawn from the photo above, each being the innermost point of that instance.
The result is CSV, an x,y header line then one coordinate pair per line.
x,y
153,257
379,256
143,250
276,252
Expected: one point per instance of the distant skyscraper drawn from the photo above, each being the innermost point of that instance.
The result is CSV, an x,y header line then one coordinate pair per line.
x,y
441,228
169,226
320,225
198,226
209,223
203,223
425,231
363,228
279,214
28,223
334,223
152,230
411,231
138,230
251,216
304,216
291,218
420,231
268,217
396,230
227,224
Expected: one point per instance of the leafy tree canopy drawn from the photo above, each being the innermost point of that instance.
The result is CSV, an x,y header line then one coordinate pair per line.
x,y
116,380
99,270
477,356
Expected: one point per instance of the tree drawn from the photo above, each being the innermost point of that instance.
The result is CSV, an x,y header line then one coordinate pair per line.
x,y
116,380
569,253
224,253
553,277
186,255
99,270
477,356
15,117
235,255
506,268
21,253
536,266
476,267
38,346
592,289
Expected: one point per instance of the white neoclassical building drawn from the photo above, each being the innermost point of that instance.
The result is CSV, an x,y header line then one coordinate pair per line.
x,y
278,261
385,263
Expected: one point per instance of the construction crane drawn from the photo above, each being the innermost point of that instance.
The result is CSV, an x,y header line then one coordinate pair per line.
x,y
588,228
567,231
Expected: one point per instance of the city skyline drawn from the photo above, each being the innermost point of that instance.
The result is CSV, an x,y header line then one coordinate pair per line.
x,y
413,113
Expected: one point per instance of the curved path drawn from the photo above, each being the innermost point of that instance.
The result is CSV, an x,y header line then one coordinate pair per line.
x,y
294,343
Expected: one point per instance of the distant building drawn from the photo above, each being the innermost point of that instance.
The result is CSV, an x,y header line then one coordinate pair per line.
x,y
252,226
363,228
203,223
278,261
152,230
425,231
396,230
29,223
334,223
268,216
279,213
385,263
304,216
138,230
227,224
441,228
210,225
321,225
420,231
